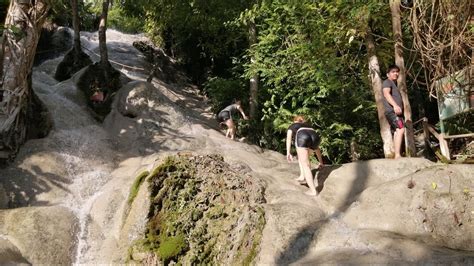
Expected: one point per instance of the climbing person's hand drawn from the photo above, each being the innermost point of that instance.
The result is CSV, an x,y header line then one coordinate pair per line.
x,y
397,110
289,158
320,166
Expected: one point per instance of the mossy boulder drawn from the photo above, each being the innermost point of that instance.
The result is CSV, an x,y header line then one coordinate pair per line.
x,y
202,212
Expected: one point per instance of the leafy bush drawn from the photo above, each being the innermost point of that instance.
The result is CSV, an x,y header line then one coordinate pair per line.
x,y
118,20
223,92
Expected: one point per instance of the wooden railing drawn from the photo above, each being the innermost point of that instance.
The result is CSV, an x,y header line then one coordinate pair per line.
x,y
442,138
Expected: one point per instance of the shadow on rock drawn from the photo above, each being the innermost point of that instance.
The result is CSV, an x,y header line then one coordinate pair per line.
x,y
21,187
323,174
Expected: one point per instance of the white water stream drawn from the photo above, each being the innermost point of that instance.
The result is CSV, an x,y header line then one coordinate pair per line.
x,y
83,147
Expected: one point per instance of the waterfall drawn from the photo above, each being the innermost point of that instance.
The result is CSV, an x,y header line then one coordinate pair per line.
x,y
81,144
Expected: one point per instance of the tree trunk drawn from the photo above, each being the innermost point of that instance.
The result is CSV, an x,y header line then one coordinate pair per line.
x,y
401,82
254,79
22,30
376,80
104,57
77,30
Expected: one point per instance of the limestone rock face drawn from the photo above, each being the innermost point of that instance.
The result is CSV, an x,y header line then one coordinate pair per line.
x,y
347,181
38,235
438,209
9,254
137,99
141,115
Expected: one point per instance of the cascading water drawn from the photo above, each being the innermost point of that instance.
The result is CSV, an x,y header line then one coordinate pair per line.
x,y
83,147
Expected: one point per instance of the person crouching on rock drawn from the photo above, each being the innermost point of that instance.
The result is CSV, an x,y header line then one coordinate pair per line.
x,y
306,142
225,117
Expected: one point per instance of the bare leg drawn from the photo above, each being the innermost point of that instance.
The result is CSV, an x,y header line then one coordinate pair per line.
x,y
397,141
230,124
303,158
231,128
319,156
300,178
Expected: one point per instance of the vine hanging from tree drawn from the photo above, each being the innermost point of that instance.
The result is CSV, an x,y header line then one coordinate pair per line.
x,y
443,33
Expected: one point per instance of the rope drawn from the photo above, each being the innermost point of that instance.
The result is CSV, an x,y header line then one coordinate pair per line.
x,y
115,62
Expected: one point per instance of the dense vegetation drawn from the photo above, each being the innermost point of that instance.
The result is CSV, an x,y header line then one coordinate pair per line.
x,y
310,56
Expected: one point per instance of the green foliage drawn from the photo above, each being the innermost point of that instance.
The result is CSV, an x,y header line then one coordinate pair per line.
x,y
311,61
310,57
17,32
195,31
61,14
223,91
118,19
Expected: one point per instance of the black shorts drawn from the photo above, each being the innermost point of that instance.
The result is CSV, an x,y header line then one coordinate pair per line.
x,y
223,116
395,121
307,138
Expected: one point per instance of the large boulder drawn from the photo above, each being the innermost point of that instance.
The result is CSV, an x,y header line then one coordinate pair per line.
x,y
346,182
42,235
434,205
140,118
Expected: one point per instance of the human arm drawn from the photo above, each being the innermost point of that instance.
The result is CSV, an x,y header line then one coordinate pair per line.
x,y
391,101
320,157
289,134
242,112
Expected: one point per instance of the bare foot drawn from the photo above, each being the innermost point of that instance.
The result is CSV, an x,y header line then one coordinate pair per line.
x,y
311,193
302,182
299,178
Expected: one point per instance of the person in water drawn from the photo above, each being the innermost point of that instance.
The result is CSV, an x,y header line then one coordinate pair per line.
x,y
306,142
225,117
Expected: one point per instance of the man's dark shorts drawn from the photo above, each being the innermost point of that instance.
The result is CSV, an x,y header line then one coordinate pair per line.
x,y
395,121
223,116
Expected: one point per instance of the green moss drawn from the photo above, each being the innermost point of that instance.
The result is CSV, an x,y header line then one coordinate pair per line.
x,y
171,247
192,213
257,238
136,186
